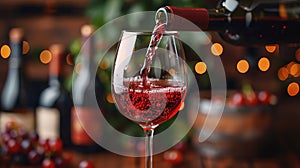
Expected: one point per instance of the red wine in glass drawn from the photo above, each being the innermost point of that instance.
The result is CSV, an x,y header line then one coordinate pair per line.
x,y
150,105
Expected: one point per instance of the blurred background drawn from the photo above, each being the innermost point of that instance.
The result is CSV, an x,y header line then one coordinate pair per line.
x,y
271,68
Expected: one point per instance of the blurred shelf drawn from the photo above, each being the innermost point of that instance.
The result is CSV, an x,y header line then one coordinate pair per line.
x,y
44,21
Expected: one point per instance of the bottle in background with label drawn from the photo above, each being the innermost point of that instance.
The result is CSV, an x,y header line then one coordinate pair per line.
x,y
53,113
15,98
85,124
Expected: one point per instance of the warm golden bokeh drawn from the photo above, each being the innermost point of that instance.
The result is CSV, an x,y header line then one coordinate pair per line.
x,y
295,70
26,47
78,67
293,89
297,54
172,72
283,73
109,98
271,48
69,59
45,56
5,51
216,49
243,66
181,106
200,68
282,11
264,64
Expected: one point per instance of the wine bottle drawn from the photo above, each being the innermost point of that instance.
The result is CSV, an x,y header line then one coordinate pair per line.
x,y
243,22
86,86
14,98
53,113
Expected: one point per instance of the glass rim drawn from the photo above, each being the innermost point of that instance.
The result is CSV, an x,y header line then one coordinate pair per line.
x,y
167,32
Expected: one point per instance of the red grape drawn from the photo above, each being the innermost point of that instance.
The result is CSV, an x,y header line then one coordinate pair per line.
x,y
5,137
13,134
26,146
264,97
237,100
13,146
22,133
33,136
23,147
173,156
252,100
34,157
48,163
56,145
44,143
11,125
86,164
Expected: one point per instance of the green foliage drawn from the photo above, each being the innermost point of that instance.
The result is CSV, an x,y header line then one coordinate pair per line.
x,y
102,11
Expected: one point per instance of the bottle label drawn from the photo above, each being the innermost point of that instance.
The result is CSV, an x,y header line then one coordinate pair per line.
x,y
47,122
23,117
83,118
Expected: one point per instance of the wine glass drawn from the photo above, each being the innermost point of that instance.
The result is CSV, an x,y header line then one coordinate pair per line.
x,y
149,82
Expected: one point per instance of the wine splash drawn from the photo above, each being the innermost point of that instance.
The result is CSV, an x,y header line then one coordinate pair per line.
x,y
156,37
152,106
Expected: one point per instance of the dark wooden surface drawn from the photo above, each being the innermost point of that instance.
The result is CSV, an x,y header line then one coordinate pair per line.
x,y
191,159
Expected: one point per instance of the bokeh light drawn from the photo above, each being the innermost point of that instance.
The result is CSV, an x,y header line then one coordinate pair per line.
x,y
271,48
295,70
289,66
109,98
5,51
282,11
69,59
243,66
283,73
264,64
181,106
26,47
45,56
200,68
87,30
293,89
104,64
172,72
297,54
78,67
217,49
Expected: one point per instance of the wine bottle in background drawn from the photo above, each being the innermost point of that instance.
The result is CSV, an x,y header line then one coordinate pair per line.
x,y
86,86
14,98
241,22
53,112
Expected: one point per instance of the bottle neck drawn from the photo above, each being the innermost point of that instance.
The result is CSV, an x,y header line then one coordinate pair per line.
x,y
54,80
16,55
224,17
55,70
193,19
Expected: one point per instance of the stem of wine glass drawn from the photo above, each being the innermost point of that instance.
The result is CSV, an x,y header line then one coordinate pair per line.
x,y
149,132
